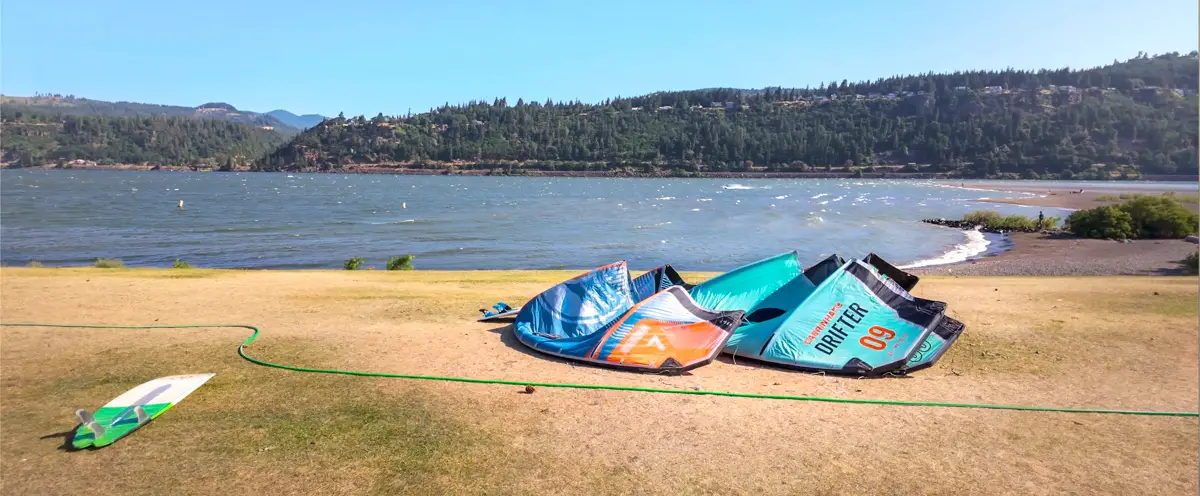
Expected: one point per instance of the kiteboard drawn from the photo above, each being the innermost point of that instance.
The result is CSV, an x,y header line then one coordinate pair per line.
x,y
133,409
500,311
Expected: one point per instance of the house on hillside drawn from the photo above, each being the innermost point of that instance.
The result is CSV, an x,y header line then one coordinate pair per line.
x,y
874,96
890,96
960,88
993,90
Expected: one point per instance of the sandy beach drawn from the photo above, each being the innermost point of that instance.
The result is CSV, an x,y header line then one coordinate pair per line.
x,y
1128,343
1058,196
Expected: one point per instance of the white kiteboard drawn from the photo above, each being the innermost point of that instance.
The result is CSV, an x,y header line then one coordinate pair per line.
x,y
133,409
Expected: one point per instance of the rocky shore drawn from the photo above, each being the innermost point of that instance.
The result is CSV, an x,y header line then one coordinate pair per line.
x,y
966,225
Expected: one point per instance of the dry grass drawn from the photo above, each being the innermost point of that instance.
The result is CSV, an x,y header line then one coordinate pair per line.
x,y
1070,342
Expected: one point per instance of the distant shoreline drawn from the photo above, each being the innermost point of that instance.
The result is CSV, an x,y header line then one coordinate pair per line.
x,y
404,171
1069,197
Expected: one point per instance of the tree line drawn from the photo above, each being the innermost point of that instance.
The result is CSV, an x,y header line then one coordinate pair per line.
x,y
33,137
1146,120
1133,115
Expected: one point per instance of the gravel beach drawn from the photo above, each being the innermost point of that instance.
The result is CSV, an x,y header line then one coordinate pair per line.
x,y
1061,255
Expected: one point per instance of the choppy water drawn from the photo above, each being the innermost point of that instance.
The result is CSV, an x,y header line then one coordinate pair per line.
x,y
279,220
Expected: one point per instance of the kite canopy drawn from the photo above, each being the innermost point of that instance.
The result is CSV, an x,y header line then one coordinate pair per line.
x,y
843,317
838,316
604,317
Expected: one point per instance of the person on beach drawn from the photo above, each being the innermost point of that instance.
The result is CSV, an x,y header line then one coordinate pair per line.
x,y
1041,220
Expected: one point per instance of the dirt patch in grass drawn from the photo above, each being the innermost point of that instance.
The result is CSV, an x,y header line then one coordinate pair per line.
x,y
1041,341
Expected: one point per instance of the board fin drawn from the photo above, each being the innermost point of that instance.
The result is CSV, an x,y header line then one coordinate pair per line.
x,y
142,417
89,421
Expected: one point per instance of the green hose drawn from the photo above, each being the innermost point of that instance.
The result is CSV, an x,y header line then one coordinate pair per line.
x,y
242,353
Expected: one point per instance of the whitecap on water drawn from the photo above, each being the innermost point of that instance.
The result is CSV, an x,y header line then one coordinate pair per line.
x,y
820,195
975,244
736,186
781,197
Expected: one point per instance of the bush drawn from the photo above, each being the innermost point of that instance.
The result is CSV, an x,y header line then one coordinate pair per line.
x,y
1017,223
1144,216
993,220
1050,223
35,264
1159,217
403,262
353,263
1191,264
180,264
983,217
108,263
1101,222
1183,198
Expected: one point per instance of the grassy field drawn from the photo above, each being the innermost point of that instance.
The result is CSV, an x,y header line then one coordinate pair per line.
x,y
1127,343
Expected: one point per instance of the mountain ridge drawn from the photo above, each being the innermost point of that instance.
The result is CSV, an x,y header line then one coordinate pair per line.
x,y
1138,116
300,122
82,107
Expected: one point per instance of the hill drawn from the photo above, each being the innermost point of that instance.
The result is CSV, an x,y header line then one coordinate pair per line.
x,y
297,121
35,138
1136,116
72,106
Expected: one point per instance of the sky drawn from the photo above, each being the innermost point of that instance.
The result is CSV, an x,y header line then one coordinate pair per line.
x,y
368,57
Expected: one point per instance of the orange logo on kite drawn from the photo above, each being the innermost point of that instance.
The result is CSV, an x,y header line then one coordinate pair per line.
x,y
651,342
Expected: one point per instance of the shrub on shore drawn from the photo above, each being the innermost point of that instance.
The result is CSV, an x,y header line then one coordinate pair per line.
x,y
403,262
353,263
180,264
1146,217
35,264
1102,222
1191,264
108,263
992,220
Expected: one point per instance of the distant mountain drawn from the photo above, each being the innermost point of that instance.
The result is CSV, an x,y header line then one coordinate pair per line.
x,y
72,106
297,121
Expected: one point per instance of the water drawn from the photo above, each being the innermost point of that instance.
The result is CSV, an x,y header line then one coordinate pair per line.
x,y
269,220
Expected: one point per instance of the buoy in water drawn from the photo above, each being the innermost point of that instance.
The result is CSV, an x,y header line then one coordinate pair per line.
x,y
403,205
180,203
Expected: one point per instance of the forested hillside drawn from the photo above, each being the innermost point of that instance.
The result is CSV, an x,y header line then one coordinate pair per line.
x,y
1139,114
71,105
31,138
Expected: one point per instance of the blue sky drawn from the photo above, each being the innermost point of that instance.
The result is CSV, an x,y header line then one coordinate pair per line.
x,y
366,57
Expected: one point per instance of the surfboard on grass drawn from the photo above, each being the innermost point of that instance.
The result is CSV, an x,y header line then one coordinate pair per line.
x,y
133,409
